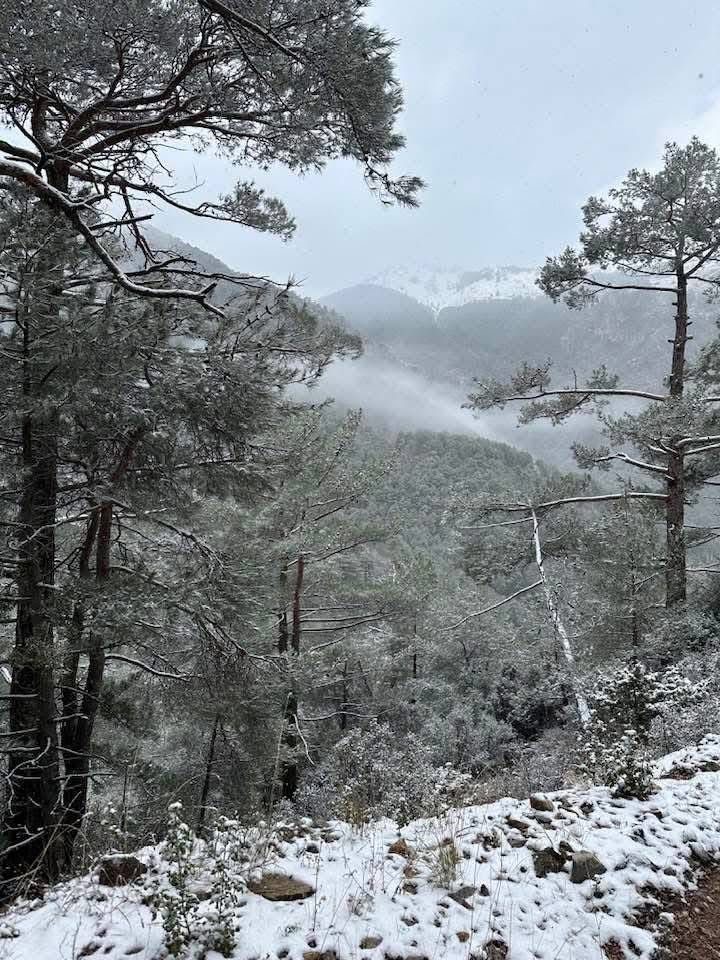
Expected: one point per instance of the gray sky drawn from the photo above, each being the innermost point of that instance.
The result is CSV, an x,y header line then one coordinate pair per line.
x,y
515,113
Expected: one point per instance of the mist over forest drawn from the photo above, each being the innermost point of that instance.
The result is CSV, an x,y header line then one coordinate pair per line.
x,y
355,605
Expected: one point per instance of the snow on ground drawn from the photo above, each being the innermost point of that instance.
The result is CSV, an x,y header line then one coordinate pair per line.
x,y
373,904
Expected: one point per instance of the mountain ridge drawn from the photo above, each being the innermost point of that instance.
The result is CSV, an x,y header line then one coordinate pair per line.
x,y
438,288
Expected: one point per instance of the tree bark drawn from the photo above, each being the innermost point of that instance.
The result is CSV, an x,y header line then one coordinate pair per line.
x,y
31,842
558,625
676,562
77,732
202,808
290,769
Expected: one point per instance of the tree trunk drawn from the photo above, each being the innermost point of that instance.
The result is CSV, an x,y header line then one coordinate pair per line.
x,y
77,731
31,818
675,569
291,739
558,625
31,843
202,809
289,775
675,566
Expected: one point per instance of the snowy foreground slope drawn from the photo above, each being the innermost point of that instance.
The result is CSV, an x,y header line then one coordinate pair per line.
x,y
369,902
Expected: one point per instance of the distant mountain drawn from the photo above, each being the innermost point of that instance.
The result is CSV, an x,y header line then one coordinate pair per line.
x,y
493,325
429,332
376,311
438,289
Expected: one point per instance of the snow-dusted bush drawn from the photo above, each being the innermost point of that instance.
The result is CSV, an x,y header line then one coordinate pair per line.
x,y
625,704
197,895
471,738
549,763
372,773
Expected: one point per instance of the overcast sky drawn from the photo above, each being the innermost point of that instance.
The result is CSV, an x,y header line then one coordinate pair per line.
x,y
515,112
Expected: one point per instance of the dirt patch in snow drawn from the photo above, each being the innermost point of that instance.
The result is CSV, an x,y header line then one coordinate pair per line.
x,y
695,934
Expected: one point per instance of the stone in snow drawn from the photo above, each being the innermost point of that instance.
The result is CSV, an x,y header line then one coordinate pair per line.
x,y
278,887
585,866
547,861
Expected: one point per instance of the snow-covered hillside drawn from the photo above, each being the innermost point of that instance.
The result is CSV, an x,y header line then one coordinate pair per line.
x,y
438,289
574,875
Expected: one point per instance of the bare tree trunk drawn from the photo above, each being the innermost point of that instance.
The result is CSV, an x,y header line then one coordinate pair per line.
x,y
77,731
290,769
31,819
202,809
77,735
283,630
675,566
345,693
558,625
297,593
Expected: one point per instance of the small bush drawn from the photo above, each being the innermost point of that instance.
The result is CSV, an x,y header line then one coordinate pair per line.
x,y
371,774
626,703
197,897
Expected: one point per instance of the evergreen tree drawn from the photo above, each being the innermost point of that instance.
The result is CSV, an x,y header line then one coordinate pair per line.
x,y
658,233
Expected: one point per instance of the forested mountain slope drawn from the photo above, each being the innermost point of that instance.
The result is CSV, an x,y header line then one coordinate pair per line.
x,y
490,336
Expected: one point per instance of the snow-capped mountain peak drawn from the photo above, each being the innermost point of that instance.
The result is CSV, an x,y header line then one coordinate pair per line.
x,y
439,288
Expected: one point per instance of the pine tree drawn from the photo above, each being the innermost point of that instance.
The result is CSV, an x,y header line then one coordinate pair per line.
x,y
657,233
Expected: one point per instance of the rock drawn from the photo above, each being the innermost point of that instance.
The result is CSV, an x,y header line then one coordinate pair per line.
x,y
312,848
409,886
547,861
543,817
585,866
369,943
463,936
320,955
484,891
405,956
517,824
538,801
587,807
565,849
401,848
119,869
462,896
516,839
278,887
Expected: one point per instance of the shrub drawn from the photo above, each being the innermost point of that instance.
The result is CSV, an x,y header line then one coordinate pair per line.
x,y
370,774
625,703
199,896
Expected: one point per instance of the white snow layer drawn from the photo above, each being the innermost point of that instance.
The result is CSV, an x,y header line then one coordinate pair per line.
x,y
438,289
652,850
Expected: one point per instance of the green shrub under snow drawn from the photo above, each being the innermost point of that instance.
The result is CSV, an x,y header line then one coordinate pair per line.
x,y
625,704
197,885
